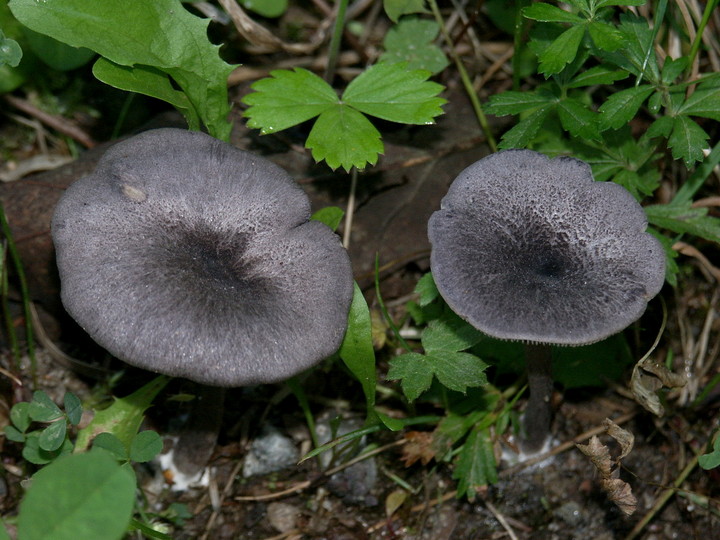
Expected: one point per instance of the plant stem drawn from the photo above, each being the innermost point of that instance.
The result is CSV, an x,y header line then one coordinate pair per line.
x,y
350,208
334,48
467,83
538,412
709,8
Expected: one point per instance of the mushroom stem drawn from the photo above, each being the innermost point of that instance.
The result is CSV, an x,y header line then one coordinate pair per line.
x,y
538,412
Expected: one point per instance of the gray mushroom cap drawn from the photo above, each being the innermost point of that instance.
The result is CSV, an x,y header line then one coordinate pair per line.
x,y
533,249
186,256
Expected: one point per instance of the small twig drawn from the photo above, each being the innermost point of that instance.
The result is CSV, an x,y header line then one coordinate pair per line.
x,y
56,122
502,520
350,213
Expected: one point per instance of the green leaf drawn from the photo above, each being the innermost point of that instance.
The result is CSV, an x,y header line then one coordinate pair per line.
x,y
110,443
603,74
73,408
344,137
14,434
287,98
148,81
608,3
53,436
458,371
357,349
605,36
42,408
393,92
10,51
687,140
547,13
330,216
3,531
711,459
410,41
475,466
414,370
683,218
622,106
561,51
161,34
78,496
33,453
396,8
145,446
511,102
57,54
637,54
449,334
266,8
427,289
672,69
576,118
525,130
123,417
20,415
705,101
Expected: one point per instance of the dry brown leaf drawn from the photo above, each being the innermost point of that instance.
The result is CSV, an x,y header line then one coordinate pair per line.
x,y
618,491
418,447
647,378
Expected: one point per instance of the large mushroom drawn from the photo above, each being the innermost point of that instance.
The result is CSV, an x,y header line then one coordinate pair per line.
x,y
184,255
532,249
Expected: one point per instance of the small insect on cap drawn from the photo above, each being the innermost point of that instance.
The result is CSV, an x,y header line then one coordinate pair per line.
x,y
184,255
533,249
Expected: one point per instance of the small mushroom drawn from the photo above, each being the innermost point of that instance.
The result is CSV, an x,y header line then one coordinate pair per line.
x,y
532,249
186,256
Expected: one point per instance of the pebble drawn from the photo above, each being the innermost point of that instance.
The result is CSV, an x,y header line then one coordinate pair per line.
x,y
271,451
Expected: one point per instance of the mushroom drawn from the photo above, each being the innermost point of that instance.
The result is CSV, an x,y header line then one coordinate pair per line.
x,y
532,249
184,255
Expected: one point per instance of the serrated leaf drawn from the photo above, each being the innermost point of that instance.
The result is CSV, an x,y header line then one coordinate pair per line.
x,y
393,92
148,81
42,408
162,34
683,218
449,334
511,102
357,349
662,127
562,51
410,41
123,417
603,74
414,371
705,101
287,98
622,106
605,36
52,437
525,130
687,140
673,68
577,119
475,466
637,54
427,289
145,446
547,13
396,8
345,138
457,370
608,3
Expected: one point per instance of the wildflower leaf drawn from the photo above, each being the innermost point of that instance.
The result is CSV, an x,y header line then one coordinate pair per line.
x,y
547,13
458,371
705,101
287,98
687,140
562,51
475,466
449,335
576,118
10,51
525,130
605,36
711,459
42,408
427,289
683,218
53,436
415,372
411,41
396,8
602,74
393,92
512,102
343,137
622,106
